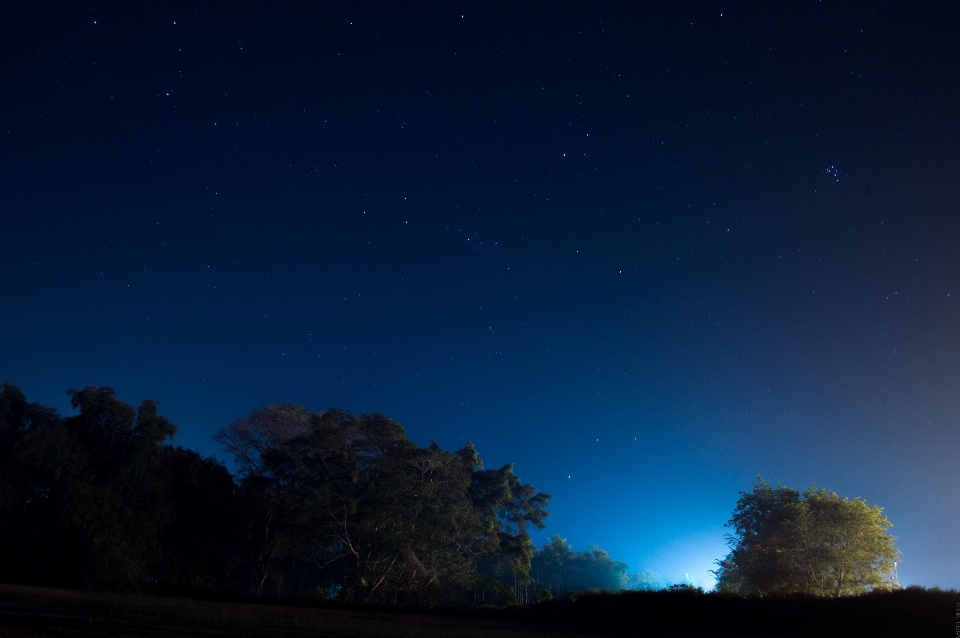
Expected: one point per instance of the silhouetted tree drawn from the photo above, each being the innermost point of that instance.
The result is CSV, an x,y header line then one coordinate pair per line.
x,y
98,500
269,482
348,505
325,504
506,507
204,544
644,581
21,484
549,564
557,568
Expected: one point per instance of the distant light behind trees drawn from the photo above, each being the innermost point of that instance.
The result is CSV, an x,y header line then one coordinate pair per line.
x,y
645,581
331,505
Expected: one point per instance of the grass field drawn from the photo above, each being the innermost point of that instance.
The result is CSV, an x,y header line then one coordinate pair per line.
x,y
910,613
34,611
28,612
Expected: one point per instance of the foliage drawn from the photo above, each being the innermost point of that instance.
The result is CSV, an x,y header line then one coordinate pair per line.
x,y
98,500
644,581
324,505
560,570
347,504
814,543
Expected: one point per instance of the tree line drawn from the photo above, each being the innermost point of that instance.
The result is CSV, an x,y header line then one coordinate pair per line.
x,y
329,505
323,505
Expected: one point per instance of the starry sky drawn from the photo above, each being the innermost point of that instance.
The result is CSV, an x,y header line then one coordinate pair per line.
x,y
645,251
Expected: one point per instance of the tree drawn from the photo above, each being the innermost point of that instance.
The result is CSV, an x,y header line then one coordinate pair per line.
x,y
98,500
549,564
270,482
644,581
90,499
203,544
558,569
347,505
505,506
326,504
815,543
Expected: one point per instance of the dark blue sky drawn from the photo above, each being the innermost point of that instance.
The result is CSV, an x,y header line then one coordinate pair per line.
x,y
646,252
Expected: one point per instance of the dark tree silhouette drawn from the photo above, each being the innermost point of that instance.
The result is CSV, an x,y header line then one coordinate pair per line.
x,y
99,500
347,506
559,570
325,505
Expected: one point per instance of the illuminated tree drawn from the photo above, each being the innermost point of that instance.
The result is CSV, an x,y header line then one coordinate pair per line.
x,y
814,543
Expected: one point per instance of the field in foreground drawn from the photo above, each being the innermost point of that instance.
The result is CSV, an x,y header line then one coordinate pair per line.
x,y
912,613
28,612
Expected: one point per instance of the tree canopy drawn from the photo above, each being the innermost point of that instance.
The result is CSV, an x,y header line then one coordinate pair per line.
x,y
326,505
815,543
338,506
559,570
349,507
100,500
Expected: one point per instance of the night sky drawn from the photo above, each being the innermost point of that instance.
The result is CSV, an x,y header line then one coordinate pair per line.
x,y
646,252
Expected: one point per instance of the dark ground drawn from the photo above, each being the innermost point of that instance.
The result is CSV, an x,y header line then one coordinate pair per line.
x,y
32,611
29,612
912,613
